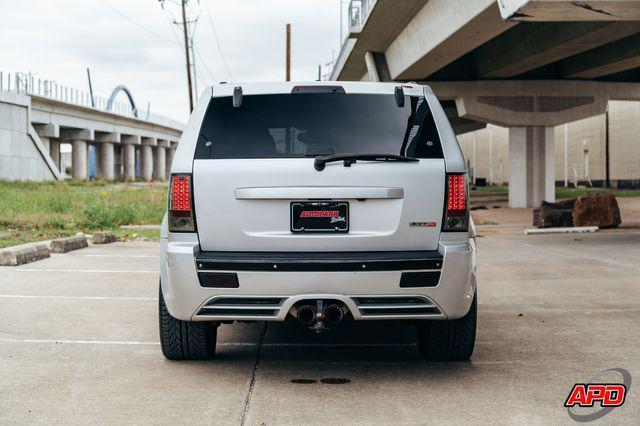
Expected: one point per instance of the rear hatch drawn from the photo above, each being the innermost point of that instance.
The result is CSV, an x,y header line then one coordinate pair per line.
x,y
256,187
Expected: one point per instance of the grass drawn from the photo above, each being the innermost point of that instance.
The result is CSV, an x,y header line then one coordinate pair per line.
x,y
33,211
560,191
576,192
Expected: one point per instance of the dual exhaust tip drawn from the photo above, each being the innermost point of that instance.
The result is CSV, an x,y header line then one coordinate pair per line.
x,y
331,314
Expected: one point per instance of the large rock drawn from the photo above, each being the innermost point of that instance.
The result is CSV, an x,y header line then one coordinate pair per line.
x,y
599,209
554,215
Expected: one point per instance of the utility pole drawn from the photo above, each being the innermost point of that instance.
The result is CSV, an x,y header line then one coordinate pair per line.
x,y
288,74
186,51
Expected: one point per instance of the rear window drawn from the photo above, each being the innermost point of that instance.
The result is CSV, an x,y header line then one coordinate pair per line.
x,y
312,124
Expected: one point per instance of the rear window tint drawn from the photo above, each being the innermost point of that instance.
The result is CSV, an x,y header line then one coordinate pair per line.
x,y
312,124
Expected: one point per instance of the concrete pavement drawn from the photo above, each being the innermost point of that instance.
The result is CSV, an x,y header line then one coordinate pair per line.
x,y
78,344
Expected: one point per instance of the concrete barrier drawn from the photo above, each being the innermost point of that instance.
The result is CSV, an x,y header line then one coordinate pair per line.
x,y
104,237
63,245
25,253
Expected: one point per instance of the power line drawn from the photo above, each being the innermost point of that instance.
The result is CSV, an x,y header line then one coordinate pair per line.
x,y
137,24
206,67
215,35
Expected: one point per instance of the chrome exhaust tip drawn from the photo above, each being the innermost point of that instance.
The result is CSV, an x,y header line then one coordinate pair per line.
x,y
306,314
334,314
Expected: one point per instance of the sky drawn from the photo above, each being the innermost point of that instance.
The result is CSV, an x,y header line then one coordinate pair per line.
x,y
133,42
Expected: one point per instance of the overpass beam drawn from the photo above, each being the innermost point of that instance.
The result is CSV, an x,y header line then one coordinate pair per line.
x,y
529,46
531,166
441,32
611,58
567,10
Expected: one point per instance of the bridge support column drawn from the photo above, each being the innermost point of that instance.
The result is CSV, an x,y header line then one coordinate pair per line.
x,y
146,162
129,153
106,160
79,166
159,163
54,152
160,159
530,109
171,151
531,166
118,162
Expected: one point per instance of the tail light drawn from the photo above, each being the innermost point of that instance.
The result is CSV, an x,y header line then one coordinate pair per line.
x,y
181,218
456,214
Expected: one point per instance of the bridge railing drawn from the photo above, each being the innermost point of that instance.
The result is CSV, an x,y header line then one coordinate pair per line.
x,y
358,13
29,84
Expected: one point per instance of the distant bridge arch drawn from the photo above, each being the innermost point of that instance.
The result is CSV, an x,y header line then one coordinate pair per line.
x,y
118,89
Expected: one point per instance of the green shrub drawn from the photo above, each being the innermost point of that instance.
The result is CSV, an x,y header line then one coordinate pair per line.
x,y
102,216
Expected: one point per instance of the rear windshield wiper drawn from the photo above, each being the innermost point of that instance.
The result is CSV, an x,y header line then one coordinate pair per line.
x,y
349,159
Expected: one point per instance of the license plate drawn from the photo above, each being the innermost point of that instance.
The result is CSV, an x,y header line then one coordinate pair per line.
x,y
321,216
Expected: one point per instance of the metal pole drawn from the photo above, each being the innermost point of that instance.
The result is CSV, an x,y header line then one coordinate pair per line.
x,y
186,52
93,102
473,175
606,149
566,152
288,65
490,156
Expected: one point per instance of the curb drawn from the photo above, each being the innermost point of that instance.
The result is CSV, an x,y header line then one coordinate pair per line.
x,y
24,253
104,238
64,245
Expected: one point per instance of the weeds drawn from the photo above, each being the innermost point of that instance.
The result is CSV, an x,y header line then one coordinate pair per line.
x,y
31,211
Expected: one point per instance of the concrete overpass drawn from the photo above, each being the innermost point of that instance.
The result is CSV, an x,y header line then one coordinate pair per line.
x,y
34,123
523,64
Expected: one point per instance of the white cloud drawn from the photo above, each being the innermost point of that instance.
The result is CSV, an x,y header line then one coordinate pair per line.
x,y
59,39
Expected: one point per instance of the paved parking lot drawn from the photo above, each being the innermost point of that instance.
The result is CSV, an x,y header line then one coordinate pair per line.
x,y
78,344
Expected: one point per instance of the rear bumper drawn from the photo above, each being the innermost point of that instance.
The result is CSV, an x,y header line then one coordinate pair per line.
x,y
269,284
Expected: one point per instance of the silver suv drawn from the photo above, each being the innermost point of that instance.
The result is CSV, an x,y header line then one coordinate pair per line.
x,y
323,202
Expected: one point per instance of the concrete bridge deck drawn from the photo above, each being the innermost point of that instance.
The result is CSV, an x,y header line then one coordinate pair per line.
x,y
33,126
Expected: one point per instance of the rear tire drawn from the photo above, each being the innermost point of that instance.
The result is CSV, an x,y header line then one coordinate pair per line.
x,y
451,340
185,340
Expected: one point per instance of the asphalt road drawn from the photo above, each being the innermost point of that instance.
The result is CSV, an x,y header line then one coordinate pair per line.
x,y
78,344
